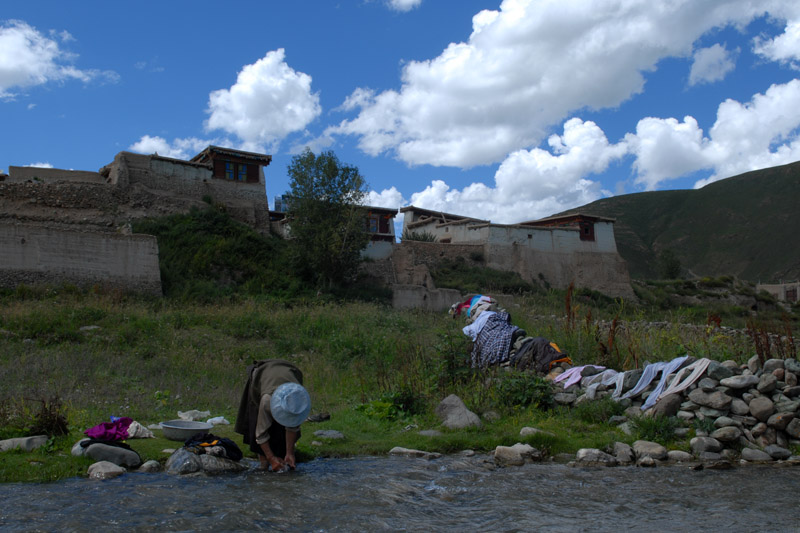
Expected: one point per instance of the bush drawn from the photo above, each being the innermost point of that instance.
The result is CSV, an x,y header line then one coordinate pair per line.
x,y
520,389
655,428
421,236
598,411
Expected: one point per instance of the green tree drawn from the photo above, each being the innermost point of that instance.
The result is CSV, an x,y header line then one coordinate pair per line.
x,y
669,266
327,223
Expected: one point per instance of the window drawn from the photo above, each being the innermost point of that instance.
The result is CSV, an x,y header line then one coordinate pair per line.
x,y
233,171
229,170
373,223
242,173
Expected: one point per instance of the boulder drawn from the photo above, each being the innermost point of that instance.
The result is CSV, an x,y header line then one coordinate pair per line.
x,y
717,371
183,462
793,428
770,365
780,421
739,407
643,448
701,445
792,392
668,405
767,383
727,434
105,470
762,408
631,379
408,452
777,452
150,466
725,421
455,415
755,456
707,384
740,382
790,378
646,461
594,457
791,365
564,398
516,455
23,443
113,454
623,453
714,400
759,429
679,456
753,364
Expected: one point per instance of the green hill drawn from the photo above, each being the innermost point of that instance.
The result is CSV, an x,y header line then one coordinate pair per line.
x,y
747,225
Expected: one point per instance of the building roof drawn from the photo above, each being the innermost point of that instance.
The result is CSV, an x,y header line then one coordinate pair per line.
x,y
565,219
205,155
444,217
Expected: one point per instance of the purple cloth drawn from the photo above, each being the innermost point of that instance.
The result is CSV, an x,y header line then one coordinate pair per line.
x,y
116,430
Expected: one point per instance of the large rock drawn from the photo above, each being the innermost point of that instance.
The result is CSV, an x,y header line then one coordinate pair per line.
x,y
718,372
701,445
623,453
564,398
791,365
740,382
679,456
767,383
793,428
762,408
183,461
644,448
727,434
631,379
778,452
714,400
780,420
770,365
105,470
753,364
516,455
669,405
739,407
23,443
455,415
112,454
756,456
594,457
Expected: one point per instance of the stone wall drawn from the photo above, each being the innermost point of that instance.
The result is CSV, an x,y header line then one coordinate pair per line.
x,y
23,174
32,254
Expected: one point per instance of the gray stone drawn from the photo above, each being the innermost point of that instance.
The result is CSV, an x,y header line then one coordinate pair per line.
x,y
728,454
793,428
753,364
748,421
643,448
417,454
714,400
631,379
759,429
790,378
183,462
584,398
762,408
113,454
780,420
681,432
626,428
689,406
781,440
516,455
623,453
717,371
727,434
755,456
679,456
767,383
668,405
594,457
646,461
685,415
748,397
788,406
23,443
491,416
791,365
705,444
617,420
150,466
707,384
730,364
455,415
770,365
739,407
564,398
330,434
777,452
792,392
105,470
740,382
725,421
528,431
712,413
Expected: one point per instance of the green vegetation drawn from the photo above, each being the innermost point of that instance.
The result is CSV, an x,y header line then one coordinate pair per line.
x,y
422,236
459,274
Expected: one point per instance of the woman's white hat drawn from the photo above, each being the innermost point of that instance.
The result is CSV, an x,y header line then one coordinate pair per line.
x,y
290,404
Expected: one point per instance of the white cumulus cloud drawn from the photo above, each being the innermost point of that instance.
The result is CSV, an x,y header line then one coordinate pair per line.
x,y
28,58
784,48
403,5
269,101
711,64
391,198
178,148
528,66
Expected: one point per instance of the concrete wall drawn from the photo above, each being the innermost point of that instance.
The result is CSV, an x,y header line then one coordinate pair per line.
x,y
786,292
378,250
34,254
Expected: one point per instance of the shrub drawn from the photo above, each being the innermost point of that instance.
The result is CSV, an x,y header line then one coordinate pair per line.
x,y
655,428
422,236
598,411
520,389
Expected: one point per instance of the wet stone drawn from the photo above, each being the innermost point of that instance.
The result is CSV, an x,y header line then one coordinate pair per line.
x,y
756,456
643,448
594,457
777,452
701,445
679,456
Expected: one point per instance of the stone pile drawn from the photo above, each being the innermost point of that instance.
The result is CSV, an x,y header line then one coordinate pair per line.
x,y
752,407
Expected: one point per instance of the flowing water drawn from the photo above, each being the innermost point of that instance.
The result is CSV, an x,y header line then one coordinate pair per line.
x,y
401,494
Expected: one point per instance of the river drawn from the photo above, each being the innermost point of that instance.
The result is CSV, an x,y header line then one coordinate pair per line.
x,y
452,493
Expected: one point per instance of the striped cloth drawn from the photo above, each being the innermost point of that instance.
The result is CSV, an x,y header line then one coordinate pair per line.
x,y
493,344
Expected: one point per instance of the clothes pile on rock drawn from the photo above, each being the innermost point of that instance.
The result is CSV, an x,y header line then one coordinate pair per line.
x,y
496,341
209,444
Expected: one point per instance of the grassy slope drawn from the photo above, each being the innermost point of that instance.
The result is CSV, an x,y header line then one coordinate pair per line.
x,y
741,225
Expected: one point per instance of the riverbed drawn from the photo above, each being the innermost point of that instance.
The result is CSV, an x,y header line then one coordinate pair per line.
x,y
400,494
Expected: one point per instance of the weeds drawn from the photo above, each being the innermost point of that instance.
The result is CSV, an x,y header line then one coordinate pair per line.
x,y
598,411
655,428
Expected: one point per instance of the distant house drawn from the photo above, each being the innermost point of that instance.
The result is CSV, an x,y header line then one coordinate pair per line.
x,y
785,292
560,250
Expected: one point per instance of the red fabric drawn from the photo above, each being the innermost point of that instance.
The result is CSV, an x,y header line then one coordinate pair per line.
x,y
117,430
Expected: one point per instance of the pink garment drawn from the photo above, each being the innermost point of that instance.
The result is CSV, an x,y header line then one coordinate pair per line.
x,y
573,375
116,430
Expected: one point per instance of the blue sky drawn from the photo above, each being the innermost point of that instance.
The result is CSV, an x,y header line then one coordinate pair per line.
x,y
507,111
